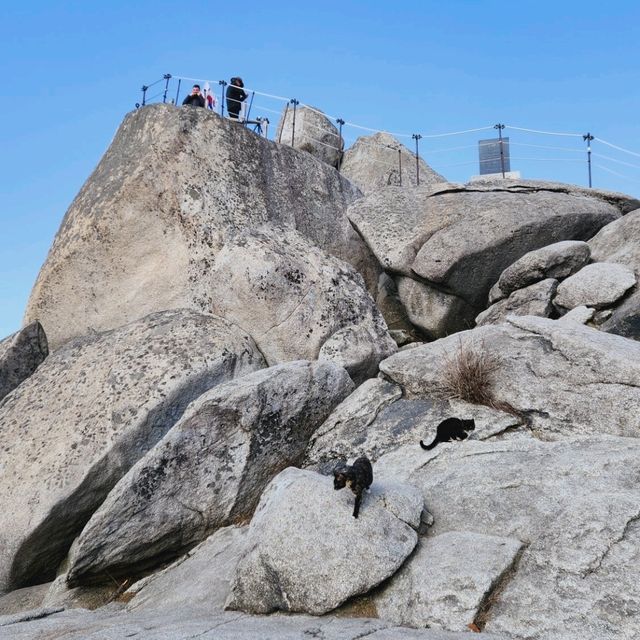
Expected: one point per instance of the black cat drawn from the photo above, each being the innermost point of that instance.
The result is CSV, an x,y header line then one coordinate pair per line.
x,y
451,429
357,477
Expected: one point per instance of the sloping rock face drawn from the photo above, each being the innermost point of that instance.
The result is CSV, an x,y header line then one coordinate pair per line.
x,y
314,133
307,553
557,261
20,355
574,505
446,582
142,234
378,161
209,470
91,409
568,379
456,241
198,580
293,298
534,300
376,419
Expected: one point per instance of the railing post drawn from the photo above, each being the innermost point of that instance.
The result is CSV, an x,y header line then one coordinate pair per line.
x,y
500,127
167,77
144,94
340,122
253,93
416,137
295,103
223,84
178,91
588,138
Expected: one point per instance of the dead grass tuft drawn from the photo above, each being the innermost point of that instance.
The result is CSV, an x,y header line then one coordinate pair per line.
x,y
468,374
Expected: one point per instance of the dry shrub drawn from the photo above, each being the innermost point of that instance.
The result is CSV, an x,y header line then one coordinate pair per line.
x,y
467,374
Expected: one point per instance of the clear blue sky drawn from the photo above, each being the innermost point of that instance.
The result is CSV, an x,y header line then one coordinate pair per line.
x,y
71,70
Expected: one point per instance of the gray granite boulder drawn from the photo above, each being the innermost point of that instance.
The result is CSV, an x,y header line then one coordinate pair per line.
x,y
619,242
574,505
580,314
293,297
557,260
566,378
87,414
534,300
597,285
377,161
307,553
435,312
314,133
624,320
20,355
447,581
209,470
142,234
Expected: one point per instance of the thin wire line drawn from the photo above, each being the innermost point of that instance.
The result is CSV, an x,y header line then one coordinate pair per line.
x,y
614,146
547,133
626,164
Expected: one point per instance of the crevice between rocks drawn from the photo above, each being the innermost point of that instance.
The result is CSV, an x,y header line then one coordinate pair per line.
x,y
496,590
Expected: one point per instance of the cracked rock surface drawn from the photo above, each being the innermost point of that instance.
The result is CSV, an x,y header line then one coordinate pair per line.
x,y
209,470
567,379
573,503
87,414
447,581
307,553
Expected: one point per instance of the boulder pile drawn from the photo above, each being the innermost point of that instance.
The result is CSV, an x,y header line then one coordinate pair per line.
x,y
223,319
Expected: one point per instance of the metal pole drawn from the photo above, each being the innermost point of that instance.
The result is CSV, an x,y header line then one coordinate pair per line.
x,y
223,84
588,138
253,93
340,122
500,127
167,77
144,94
178,91
400,165
295,103
284,119
416,137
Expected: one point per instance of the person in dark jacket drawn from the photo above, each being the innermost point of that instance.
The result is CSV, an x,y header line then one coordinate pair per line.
x,y
196,99
236,95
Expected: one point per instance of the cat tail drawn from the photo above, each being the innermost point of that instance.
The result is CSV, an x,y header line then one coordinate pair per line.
x,y
428,447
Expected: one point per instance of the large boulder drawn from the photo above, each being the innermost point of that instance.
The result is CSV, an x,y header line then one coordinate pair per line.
x,y
557,260
314,133
567,379
20,355
293,298
142,234
573,503
306,552
377,161
209,470
597,285
87,414
619,242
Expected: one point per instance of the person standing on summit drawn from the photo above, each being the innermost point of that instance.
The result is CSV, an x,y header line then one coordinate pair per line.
x,y
195,98
236,95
